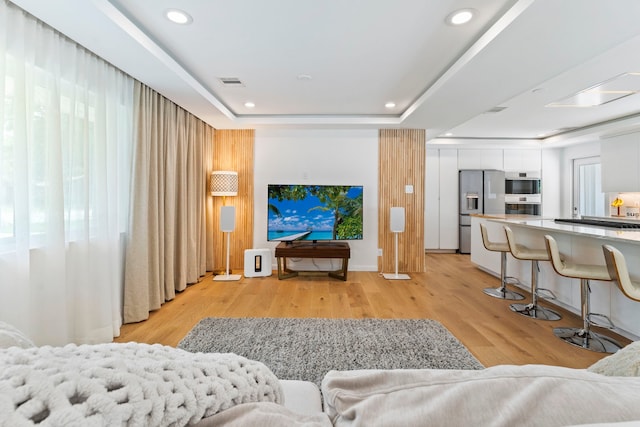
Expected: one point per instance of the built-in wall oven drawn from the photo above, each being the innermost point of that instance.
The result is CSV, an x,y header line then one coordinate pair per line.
x,y
523,193
522,205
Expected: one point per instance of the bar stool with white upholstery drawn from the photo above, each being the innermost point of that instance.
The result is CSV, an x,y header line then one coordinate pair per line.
x,y
533,309
503,248
583,337
617,266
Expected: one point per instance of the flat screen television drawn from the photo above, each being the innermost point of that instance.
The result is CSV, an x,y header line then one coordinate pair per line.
x,y
314,212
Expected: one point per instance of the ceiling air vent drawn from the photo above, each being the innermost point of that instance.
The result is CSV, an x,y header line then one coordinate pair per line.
x,y
231,81
495,110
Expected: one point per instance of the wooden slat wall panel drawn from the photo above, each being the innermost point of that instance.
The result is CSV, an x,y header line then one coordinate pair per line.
x,y
401,162
233,150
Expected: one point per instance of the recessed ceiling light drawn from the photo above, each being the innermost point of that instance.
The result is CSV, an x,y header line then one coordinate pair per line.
x,y
390,105
178,16
448,134
249,104
460,17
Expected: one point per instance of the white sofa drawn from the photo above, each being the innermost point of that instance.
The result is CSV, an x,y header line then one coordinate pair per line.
x,y
608,393
531,395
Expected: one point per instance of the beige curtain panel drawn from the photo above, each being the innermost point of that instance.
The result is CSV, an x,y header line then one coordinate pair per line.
x,y
171,215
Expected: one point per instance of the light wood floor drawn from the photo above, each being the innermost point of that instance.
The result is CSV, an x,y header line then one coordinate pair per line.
x,y
450,291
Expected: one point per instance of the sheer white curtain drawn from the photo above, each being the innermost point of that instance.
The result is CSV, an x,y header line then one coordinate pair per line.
x,y
65,161
171,215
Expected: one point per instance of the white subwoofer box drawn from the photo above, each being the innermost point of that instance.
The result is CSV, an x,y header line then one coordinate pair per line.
x,y
257,262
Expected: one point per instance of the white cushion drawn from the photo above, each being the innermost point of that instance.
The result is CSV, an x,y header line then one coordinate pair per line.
x,y
623,363
10,336
302,397
264,414
506,395
302,407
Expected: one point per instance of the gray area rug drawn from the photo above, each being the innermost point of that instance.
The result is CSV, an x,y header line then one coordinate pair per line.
x,y
306,349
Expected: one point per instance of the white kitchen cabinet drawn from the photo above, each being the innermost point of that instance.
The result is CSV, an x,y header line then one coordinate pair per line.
x,y
619,160
432,200
441,199
522,160
469,158
448,199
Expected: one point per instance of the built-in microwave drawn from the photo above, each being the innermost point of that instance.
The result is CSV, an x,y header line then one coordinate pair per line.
x,y
522,183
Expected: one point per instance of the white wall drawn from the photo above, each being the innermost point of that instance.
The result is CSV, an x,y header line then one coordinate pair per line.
x,y
552,183
326,157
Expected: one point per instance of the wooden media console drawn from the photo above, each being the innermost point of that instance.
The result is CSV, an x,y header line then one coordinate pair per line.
x,y
309,249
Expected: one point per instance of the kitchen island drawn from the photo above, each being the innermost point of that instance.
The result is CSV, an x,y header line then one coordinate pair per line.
x,y
577,242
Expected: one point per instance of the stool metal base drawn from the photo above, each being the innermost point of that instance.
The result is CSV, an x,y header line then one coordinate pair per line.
x,y
503,293
587,339
535,311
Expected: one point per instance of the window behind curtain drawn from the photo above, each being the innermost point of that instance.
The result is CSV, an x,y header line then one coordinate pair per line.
x,y
65,160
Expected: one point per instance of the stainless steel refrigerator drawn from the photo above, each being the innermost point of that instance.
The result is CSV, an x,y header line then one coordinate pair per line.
x,y
481,192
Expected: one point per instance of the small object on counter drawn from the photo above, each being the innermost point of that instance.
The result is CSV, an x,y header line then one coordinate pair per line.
x,y
617,203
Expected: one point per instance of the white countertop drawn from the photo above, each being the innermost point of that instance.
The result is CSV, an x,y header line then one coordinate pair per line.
x,y
630,236
507,216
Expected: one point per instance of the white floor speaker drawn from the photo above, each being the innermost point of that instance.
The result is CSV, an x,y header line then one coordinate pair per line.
x,y
396,224
227,218
397,219
257,262
227,225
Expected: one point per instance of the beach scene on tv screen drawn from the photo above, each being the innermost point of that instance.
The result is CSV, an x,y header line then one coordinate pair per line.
x,y
314,212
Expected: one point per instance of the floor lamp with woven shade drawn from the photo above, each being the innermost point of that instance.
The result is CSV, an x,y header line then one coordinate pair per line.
x,y
225,183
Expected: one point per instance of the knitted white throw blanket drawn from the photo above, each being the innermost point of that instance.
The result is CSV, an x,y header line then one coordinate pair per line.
x,y
125,384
